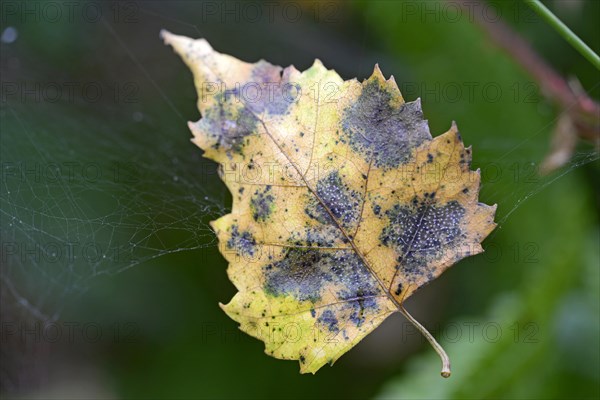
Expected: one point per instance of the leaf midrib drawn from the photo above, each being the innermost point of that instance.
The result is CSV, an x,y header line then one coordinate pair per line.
x,y
341,229
388,293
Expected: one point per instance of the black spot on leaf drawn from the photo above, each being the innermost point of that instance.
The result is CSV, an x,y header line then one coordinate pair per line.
x,y
376,209
266,91
341,201
229,125
303,273
383,132
242,242
262,203
421,233
398,289
329,320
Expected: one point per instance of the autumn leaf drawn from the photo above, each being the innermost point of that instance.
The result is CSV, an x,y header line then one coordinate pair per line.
x,y
343,203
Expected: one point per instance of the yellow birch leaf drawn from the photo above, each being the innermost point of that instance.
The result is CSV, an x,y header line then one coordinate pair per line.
x,y
343,203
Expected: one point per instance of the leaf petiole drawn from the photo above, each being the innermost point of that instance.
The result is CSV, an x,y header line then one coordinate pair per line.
x,y
436,346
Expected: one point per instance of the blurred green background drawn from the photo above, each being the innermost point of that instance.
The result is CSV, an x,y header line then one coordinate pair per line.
x,y
105,204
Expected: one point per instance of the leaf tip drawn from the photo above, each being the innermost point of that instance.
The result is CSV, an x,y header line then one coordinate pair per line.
x,y
166,36
453,126
377,74
306,370
163,33
392,81
185,46
317,63
213,223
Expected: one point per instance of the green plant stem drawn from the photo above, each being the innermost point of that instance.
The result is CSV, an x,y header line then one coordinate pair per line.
x,y
564,31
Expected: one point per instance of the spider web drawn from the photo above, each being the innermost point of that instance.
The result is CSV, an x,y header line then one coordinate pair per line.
x,y
68,218
94,188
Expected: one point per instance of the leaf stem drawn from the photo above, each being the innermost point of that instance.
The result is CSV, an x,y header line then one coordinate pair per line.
x,y
436,346
565,32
